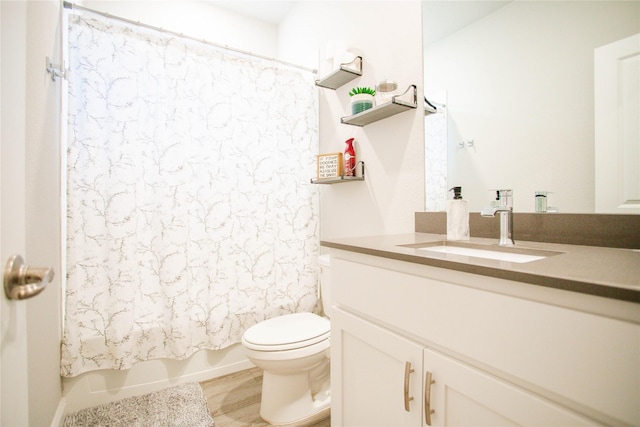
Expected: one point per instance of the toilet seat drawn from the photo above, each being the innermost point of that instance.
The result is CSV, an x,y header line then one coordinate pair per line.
x,y
291,331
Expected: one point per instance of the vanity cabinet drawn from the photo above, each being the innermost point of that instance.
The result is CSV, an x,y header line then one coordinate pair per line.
x,y
495,359
388,380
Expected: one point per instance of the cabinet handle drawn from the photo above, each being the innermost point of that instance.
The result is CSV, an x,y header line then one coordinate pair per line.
x,y
407,371
427,398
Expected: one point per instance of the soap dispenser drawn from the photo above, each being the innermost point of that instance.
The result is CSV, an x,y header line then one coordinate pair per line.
x,y
457,216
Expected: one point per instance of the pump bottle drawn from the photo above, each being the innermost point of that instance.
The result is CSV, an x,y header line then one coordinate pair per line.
x,y
457,216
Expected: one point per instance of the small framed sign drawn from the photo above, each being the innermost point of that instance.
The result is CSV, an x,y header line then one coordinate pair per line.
x,y
329,165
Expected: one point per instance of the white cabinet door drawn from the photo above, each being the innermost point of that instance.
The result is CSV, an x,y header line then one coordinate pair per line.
x,y
368,366
464,396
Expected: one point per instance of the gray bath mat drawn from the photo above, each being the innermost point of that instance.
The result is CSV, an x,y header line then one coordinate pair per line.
x,y
181,405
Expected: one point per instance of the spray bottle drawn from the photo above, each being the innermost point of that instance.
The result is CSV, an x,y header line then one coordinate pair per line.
x,y
349,158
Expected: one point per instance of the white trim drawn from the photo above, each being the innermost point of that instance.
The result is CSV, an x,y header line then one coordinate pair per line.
x,y
58,417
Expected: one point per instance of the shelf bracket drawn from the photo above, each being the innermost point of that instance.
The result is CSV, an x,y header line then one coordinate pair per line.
x,y
412,99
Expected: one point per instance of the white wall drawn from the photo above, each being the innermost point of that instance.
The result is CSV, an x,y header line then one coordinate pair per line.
x,y
388,34
520,84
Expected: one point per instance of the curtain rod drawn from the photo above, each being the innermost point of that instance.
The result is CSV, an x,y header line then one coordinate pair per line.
x,y
73,6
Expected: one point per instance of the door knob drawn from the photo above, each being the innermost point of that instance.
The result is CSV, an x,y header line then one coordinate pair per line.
x,y
22,281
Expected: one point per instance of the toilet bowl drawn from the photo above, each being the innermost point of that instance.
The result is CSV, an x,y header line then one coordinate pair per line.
x,y
293,351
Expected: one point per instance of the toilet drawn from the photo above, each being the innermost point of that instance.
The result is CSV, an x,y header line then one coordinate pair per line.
x,y
293,352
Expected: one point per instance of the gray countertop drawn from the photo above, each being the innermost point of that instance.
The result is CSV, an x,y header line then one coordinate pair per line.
x,y
606,272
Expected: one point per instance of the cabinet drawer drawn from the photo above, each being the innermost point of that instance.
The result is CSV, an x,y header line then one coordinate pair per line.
x,y
588,362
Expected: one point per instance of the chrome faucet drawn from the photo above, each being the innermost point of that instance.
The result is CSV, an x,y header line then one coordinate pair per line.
x,y
505,209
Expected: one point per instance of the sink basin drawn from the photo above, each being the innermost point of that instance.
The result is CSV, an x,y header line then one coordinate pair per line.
x,y
494,252
483,253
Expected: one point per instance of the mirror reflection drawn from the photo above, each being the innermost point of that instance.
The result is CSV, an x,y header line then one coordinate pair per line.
x,y
515,89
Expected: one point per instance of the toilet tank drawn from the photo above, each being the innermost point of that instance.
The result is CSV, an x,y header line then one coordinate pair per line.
x,y
324,262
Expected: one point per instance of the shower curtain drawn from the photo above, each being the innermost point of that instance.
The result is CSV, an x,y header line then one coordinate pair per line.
x,y
189,211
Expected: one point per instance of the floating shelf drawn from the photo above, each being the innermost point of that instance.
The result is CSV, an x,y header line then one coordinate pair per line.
x,y
347,72
388,109
341,179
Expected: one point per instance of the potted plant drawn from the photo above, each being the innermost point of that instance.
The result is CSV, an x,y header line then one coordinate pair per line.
x,y
361,99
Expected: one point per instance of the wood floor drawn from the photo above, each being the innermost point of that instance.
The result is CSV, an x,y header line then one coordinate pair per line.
x,y
234,400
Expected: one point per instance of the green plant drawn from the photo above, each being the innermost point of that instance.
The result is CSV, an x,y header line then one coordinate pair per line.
x,y
359,90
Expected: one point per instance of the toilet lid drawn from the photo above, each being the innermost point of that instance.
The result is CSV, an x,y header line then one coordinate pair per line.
x,y
287,332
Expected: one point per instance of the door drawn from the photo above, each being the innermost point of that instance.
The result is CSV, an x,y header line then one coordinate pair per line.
x,y
617,126
379,372
13,339
30,386
464,396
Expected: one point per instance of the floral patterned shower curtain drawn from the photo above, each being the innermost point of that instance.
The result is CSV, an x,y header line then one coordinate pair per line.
x,y
189,211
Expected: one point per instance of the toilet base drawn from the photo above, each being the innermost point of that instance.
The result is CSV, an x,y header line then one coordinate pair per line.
x,y
287,400
313,419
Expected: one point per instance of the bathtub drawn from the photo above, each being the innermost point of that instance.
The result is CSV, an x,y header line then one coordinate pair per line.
x,y
107,385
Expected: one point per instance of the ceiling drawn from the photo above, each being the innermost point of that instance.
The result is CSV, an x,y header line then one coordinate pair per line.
x,y
270,11
440,17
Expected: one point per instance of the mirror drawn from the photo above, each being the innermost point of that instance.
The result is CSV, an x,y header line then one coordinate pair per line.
x,y
514,83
